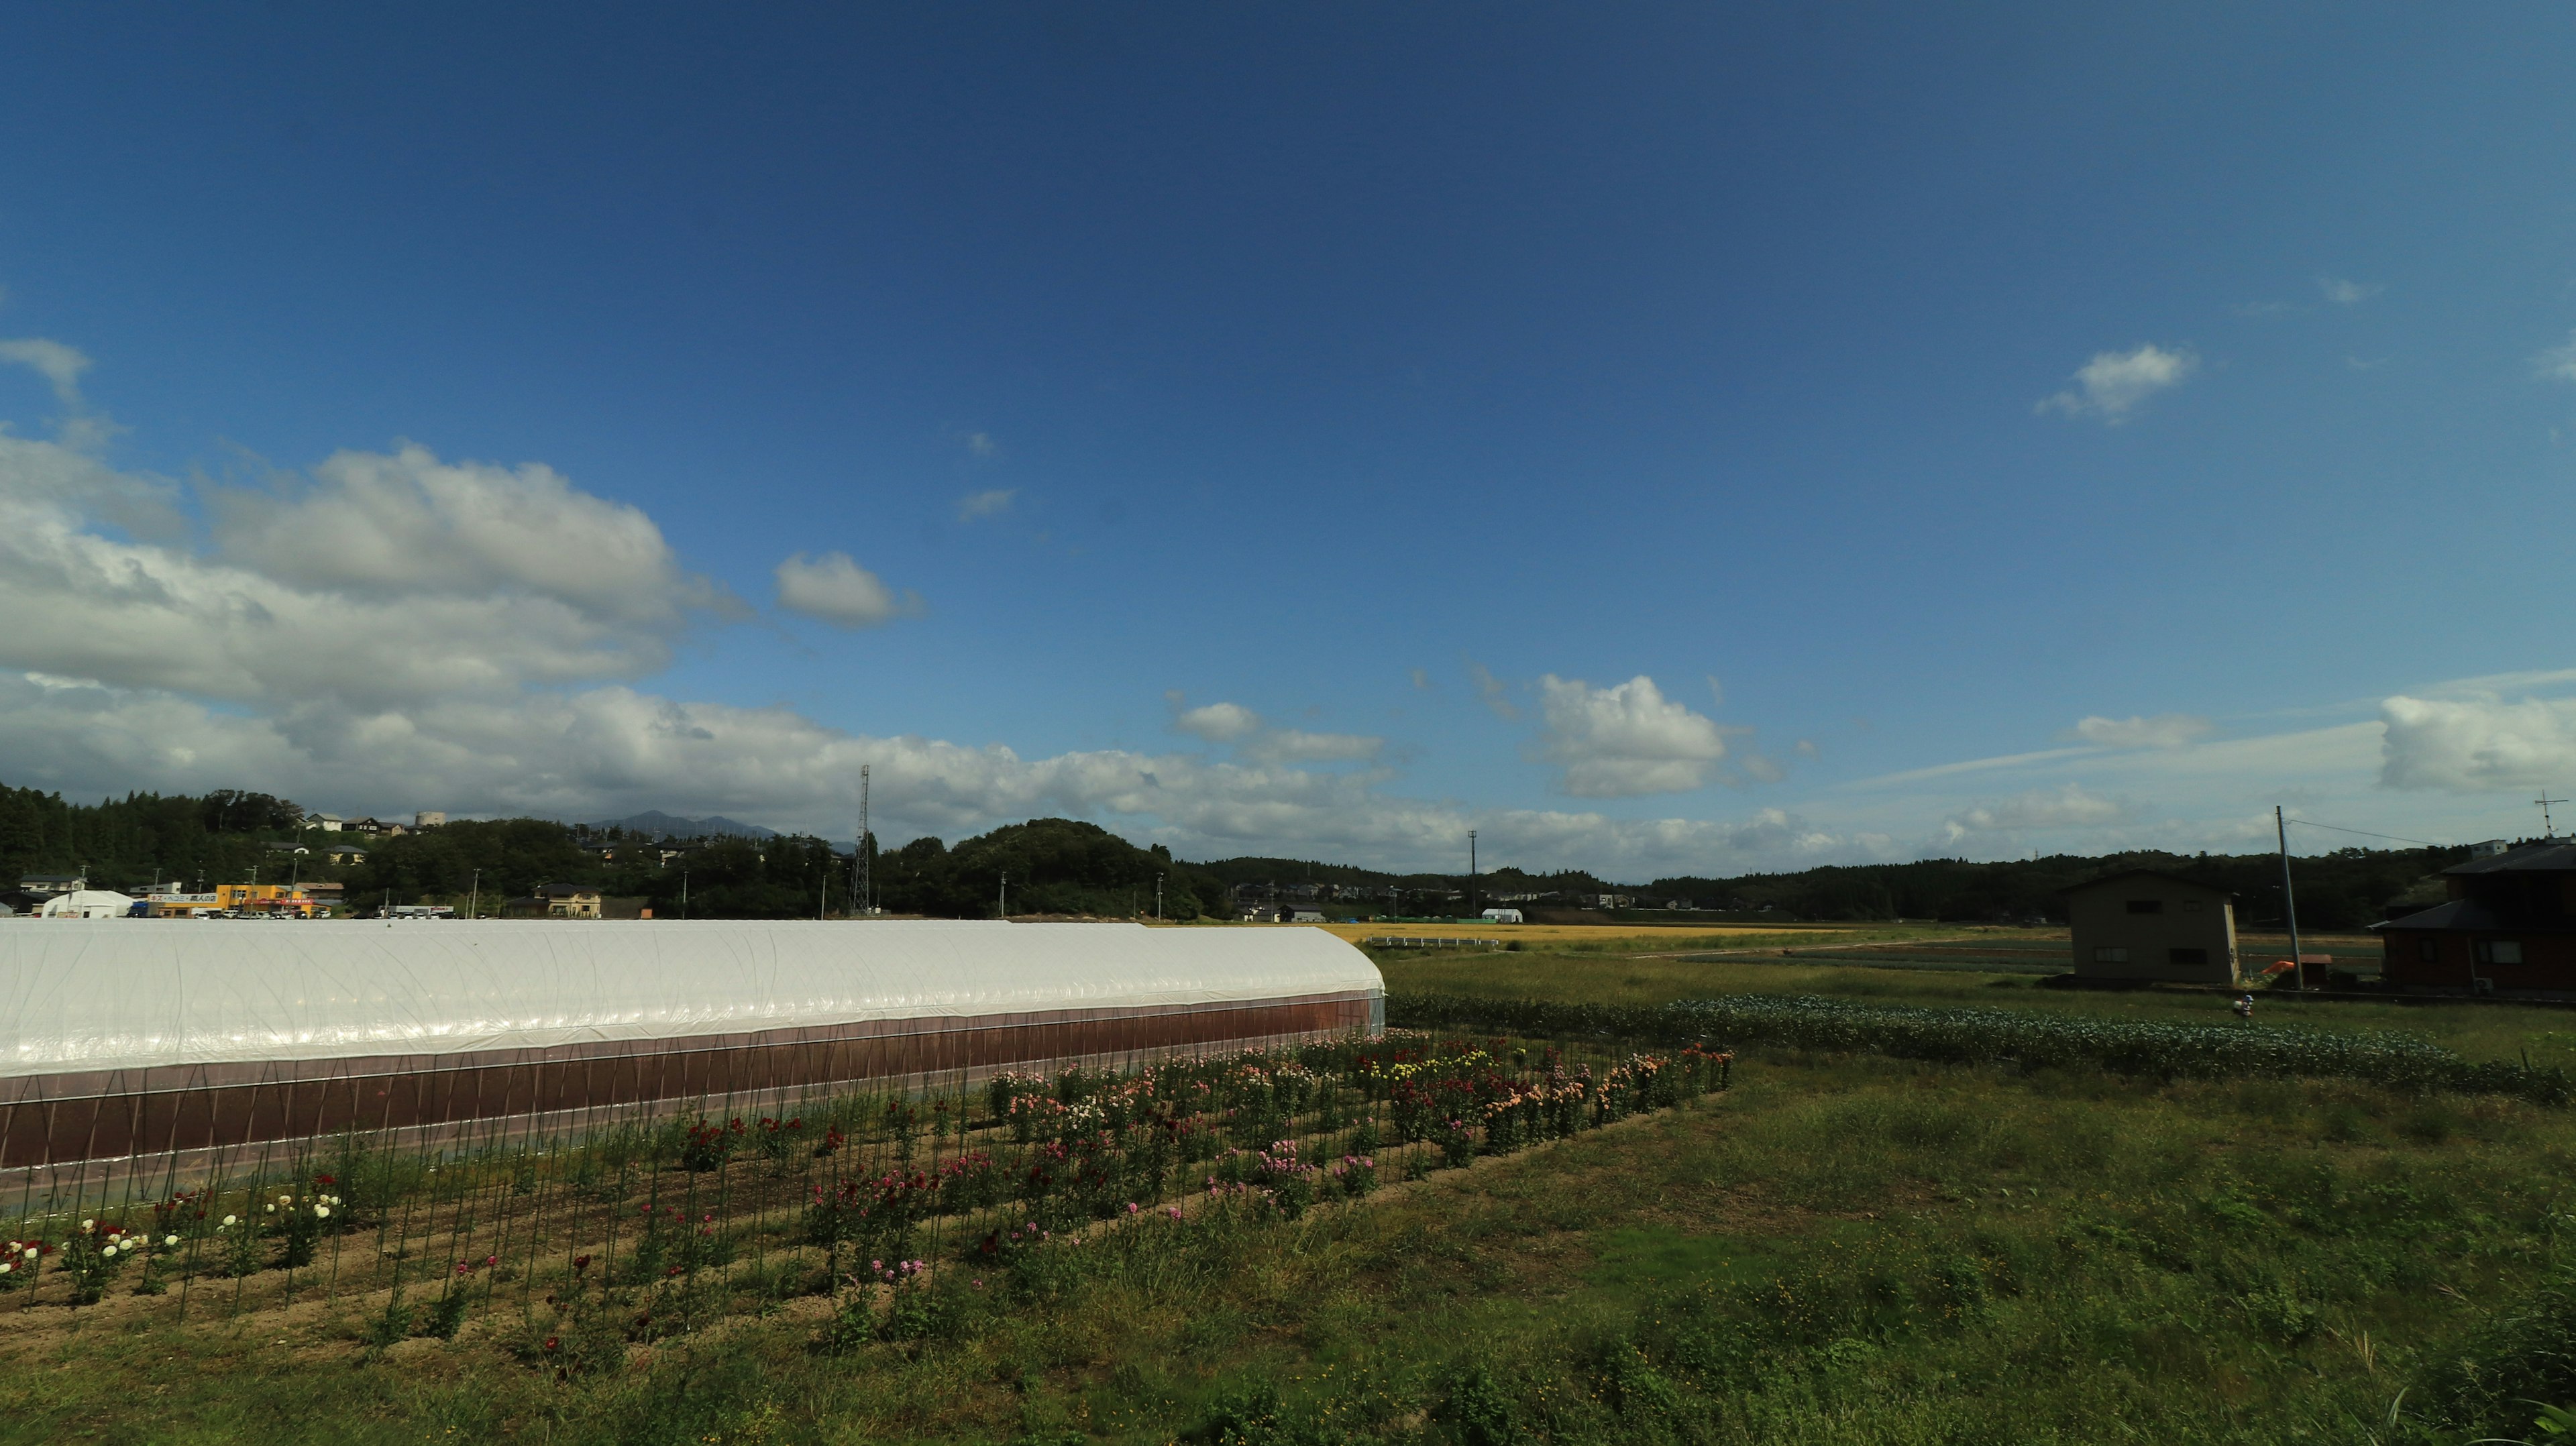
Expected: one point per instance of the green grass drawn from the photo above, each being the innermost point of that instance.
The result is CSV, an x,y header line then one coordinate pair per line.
x,y
2478,1030
1867,1251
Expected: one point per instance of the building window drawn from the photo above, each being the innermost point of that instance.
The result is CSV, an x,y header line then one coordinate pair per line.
x,y
2186,956
2429,949
2146,906
2105,954
2499,951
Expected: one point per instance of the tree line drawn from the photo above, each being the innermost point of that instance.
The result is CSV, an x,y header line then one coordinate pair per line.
x,y
1065,866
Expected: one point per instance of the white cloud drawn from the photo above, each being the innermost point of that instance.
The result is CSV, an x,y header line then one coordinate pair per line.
x,y
991,503
2038,809
2113,384
2165,730
1493,692
982,444
1296,745
254,623
1421,680
1624,741
2466,745
839,591
1218,722
2557,364
2348,293
60,365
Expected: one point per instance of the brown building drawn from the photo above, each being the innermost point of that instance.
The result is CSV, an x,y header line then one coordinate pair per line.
x,y
2508,926
555,901
2146,927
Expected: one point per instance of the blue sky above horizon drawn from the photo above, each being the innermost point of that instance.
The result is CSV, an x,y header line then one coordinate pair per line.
x,y
1669,440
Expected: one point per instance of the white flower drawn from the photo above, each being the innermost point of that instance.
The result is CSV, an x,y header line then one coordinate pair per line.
x,y
285,1199
268,1209
31,1252
107,1252
87,1224
321,1211
170,1240
229,1219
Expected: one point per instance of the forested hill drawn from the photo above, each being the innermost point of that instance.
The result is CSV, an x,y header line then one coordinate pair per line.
x,y
1072,867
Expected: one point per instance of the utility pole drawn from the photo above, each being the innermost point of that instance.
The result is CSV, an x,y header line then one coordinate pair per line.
x,y
1003,910
1158,898
823,900
474,897
2289,900
684,893
1471,871
863,856
2546,830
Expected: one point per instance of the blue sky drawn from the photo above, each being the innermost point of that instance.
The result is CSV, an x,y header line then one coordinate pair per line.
x,y
1299,430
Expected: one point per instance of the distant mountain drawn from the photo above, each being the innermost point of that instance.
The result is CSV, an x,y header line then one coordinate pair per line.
x,y
655,821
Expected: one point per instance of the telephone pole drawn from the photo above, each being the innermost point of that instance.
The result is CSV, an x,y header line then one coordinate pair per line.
x,y
1003,909
1471,871
2289,900
867,873
2547,830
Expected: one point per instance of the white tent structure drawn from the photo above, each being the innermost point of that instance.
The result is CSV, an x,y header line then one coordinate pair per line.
x,y
158,1036
87,904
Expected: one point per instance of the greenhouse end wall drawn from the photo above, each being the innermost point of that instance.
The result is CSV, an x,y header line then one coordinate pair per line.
x,y
265,1032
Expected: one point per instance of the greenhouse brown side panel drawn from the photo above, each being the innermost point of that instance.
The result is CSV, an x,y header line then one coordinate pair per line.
x,y
61,1119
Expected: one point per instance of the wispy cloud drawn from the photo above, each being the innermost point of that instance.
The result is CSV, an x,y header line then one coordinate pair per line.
x,y
981,444
2165,730
60,365
2558,364
2114,383
2348,293
991,503
1493,692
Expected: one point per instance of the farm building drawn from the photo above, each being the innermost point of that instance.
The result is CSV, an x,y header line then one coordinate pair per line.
x,y
151,1037
2509,925
2147,927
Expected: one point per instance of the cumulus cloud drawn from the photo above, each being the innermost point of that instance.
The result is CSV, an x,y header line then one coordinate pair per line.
x,y
2348,293
2165,730
60,365
2067,807
839,591
2113,384
2468,745
1217,722
2558,364
990,503
250,623
1625,741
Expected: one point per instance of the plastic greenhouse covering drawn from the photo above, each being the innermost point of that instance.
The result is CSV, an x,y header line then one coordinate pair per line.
x,y
150,994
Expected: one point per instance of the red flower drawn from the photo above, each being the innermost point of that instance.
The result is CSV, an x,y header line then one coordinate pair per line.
x,y
551,1343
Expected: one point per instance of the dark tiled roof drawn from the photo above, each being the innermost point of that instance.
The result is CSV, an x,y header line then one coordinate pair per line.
x,y
2549,855
2463,915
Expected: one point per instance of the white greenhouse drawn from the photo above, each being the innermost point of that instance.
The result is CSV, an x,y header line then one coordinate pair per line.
x,y
154,1037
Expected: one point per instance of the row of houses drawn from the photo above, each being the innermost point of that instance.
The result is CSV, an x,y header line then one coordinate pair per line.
x,y
2506,924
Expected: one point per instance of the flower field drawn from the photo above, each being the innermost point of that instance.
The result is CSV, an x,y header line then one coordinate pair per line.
x,y
587,1241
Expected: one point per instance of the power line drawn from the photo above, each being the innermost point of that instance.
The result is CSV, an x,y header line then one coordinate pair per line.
x,y
2365,833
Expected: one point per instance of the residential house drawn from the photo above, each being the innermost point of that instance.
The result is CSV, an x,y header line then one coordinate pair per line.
x,y
2142,926
45,886
327,822
2509,926
556,901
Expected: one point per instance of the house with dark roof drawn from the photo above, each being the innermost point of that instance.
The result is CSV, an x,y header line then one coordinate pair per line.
x,y
2508,926
2145,927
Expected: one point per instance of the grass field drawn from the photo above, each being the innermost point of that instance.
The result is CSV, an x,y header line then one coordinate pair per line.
x,y
1840,1249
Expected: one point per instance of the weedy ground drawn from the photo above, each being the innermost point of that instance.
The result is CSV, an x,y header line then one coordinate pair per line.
x,y
1840,1249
